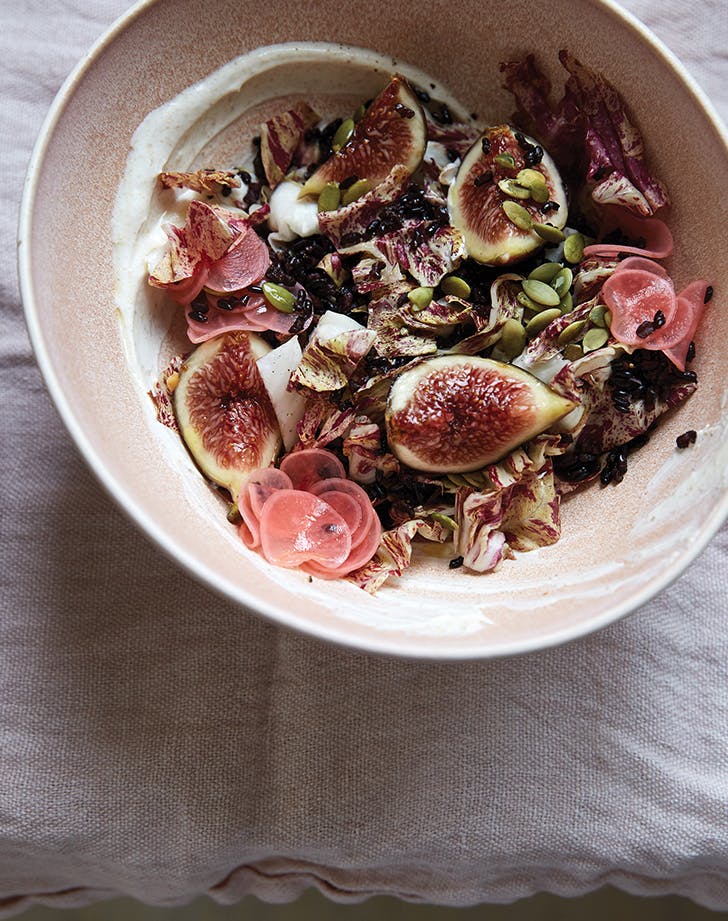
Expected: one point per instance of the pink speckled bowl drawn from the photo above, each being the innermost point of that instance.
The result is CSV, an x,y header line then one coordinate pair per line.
x,y
619,547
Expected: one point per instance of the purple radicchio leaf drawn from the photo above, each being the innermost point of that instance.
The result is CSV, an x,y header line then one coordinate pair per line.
x,y
280,138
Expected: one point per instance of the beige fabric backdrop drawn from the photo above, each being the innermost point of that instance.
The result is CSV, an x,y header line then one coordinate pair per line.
x,y
156,741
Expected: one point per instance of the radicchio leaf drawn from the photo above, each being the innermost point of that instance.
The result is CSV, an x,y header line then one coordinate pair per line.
x,y
323,422
387,320
363,449
281,136
356,217
328,365
204,181
391,559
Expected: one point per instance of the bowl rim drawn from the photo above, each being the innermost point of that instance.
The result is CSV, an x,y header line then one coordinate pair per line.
x,y
335,632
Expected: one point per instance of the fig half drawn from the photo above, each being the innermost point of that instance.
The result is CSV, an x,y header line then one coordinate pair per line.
x,y
224,412
457,413
502,159
393,132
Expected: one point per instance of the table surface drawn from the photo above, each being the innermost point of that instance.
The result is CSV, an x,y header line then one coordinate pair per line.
x,y
159,743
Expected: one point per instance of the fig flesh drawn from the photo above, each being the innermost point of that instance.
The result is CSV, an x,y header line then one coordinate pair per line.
x,y
457,413
393,132
224,412
476,199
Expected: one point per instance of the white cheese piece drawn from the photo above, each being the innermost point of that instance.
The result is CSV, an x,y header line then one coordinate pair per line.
x,y
275,369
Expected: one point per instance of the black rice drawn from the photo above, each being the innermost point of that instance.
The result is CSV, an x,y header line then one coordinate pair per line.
x,y
686,439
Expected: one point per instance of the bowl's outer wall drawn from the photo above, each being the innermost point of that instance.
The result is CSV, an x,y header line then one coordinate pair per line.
x,y
602,567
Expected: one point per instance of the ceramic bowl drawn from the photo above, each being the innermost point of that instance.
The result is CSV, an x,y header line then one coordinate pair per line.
x,y
620,545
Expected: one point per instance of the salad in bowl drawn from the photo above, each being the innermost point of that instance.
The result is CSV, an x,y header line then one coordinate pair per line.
x,y
410,327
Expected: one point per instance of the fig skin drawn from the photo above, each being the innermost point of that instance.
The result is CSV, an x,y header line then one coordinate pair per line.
x,y
476,205
392,132
224,412
457,413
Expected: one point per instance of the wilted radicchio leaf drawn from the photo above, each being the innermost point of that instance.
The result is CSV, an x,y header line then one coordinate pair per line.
x,y
391,559
388,322
363,449
328,365
323,422
356,217
428,257
458,136
519,512
592,120
280,138
204,181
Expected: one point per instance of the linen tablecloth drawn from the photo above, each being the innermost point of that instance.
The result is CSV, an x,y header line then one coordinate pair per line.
x,y
157,742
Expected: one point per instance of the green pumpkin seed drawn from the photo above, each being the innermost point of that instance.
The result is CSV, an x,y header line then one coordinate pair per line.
x,y
608,319
596,315
562,281
525,301
343,133
549,233
540,292
530,178
594,339
457,480
513,338
359,188
330,197
278,297
573,351
509,187
546,272
445,520
572,331
567,303
360,113
475,479
574,248
541,321
505,160
458,287
517,215
540,194
420,298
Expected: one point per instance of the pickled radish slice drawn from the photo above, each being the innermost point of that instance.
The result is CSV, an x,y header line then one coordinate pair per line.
x,y
250,540
634,296
349,509
296,526
655,233
357,558
245,263
639,262
328,488
262,483
690,305
251,535
307,467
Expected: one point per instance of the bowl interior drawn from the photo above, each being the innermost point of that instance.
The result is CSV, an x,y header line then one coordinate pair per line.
x,y
100,357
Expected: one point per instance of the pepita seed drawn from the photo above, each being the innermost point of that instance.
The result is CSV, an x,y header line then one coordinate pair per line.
x,y
453,284
475,479
233,514
596,315
573,351
355,191
567,303
541,321
513,338
517,215
509,187
505,160
594,339
540,292
546,272
360,113
172,381
278,297
343,133
445,520
574,248
562,281
420,298
540,194
330,197
549,233
530,178
525,301
457,479
608,319
572,331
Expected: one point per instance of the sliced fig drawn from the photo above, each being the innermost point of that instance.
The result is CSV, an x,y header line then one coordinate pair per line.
x,y
223,409
457,413
392,132
475,199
